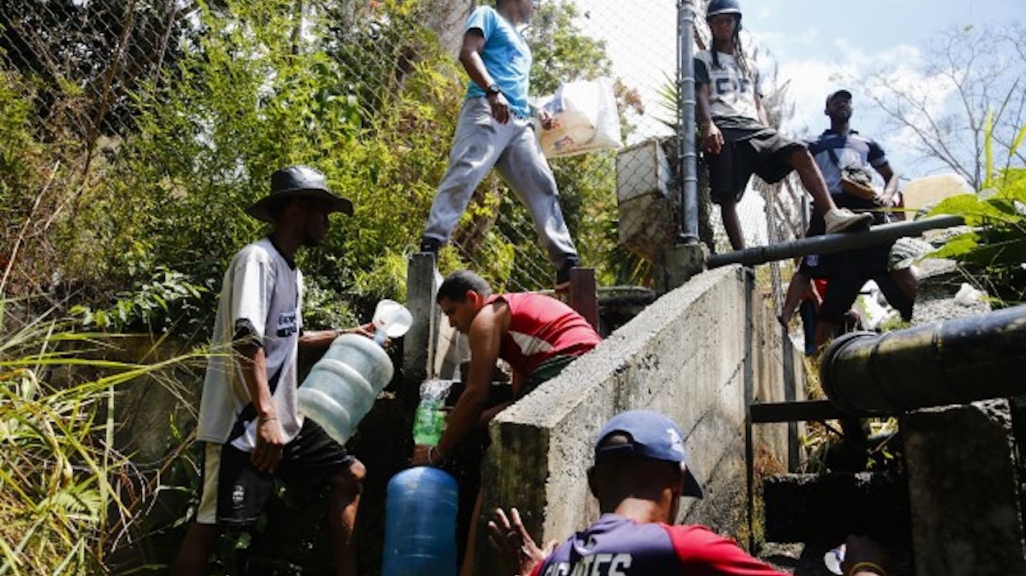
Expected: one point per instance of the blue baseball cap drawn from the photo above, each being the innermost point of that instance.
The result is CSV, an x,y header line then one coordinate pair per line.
x,y
650,435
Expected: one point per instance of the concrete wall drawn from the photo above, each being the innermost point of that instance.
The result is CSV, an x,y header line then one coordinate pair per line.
x,y
662,360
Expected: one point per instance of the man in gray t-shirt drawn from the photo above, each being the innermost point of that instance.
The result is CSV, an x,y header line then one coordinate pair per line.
x,y
248,422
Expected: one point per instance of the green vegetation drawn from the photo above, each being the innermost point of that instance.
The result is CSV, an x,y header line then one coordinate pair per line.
x,y
121,220
993,249
63,486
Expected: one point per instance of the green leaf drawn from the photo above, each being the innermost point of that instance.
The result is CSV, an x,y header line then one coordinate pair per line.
x,y
957,247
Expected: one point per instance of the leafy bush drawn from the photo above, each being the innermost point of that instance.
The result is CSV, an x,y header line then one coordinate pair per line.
x,y
994,246
167,299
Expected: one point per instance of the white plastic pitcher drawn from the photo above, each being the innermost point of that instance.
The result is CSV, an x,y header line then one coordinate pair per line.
x,y
391,320
342,386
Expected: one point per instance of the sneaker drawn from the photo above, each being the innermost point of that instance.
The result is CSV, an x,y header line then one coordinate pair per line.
x,y
842,219
429,245
563,274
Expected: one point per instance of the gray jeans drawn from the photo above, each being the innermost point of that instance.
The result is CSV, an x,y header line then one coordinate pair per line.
x,y
482,143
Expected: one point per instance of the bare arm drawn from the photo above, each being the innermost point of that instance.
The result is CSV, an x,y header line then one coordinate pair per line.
x,y
321,339
890,178
485,336
712,138
470,58
270,438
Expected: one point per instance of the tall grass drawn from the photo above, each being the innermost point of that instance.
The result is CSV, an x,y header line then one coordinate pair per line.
x,y
58,507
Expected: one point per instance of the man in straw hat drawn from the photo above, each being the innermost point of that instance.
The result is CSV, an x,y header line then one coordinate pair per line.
x,y
639,477
248,418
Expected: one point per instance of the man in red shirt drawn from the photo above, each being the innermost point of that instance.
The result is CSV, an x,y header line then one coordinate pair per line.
x,y
538,336
535,334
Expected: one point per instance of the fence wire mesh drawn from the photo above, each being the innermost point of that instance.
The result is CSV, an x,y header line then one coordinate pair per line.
x,y
87,77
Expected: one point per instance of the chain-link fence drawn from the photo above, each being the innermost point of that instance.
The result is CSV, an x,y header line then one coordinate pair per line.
x,y
87,81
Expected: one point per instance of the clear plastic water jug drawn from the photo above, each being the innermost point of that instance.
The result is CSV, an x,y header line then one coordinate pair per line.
x,y
342,386
420,524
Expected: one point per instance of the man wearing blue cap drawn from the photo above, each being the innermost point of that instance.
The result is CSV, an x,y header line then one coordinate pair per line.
x,y
639,477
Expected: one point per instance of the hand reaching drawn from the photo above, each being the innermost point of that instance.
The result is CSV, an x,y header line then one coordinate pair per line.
x,y
515,546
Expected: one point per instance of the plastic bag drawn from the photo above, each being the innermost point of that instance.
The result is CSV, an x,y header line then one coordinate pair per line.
x,y
586,119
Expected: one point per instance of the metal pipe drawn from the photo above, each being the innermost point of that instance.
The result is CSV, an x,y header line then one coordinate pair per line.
x,y
832,242
952,362
687,158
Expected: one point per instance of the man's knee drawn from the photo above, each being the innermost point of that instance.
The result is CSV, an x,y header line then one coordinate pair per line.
x,y
349,480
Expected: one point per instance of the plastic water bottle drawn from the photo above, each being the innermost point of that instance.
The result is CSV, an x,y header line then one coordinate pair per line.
x,y
429,422
342,386
420,524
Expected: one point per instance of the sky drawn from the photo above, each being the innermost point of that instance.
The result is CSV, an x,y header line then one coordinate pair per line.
x,y
815,44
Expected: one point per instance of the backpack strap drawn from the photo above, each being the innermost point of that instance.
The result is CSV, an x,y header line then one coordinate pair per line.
x,y
833,156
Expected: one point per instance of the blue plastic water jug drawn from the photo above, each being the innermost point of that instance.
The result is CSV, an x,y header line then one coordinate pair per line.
x,y
342,386
420,524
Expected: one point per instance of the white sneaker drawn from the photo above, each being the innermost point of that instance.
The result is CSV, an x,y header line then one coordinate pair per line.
x,y
842,219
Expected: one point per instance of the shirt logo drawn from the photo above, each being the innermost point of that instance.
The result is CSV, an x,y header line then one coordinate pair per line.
x,y
676,442
238,496
287,325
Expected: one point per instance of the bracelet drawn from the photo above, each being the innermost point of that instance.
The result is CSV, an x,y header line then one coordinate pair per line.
x,y
867,567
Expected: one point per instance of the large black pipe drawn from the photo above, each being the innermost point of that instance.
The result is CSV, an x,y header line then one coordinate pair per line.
x,y
832,242
952,362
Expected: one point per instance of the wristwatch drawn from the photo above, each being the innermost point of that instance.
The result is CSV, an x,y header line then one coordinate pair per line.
x,y
492,90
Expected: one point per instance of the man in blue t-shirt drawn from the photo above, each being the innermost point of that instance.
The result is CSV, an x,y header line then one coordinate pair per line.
x,y
494,130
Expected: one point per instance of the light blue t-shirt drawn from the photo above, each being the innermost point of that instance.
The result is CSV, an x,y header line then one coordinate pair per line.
x,y
506,57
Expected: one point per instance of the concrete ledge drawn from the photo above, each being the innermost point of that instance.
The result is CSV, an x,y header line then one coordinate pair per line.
x,y
661,360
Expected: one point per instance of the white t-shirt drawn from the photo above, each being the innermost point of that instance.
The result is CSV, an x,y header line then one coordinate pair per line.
x,y
731,92
261,297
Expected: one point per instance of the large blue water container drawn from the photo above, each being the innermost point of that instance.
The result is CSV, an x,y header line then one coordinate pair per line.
x,y
420,524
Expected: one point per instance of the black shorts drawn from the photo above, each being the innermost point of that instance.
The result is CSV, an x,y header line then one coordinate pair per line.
x,y
234,493
844,287
747,151
848,271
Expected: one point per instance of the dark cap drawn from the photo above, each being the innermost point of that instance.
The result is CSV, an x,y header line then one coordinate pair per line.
x,y
650,435
299,182
842,93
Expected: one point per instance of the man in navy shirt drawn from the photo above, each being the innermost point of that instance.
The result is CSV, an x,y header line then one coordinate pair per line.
x,y
838,149
639,477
